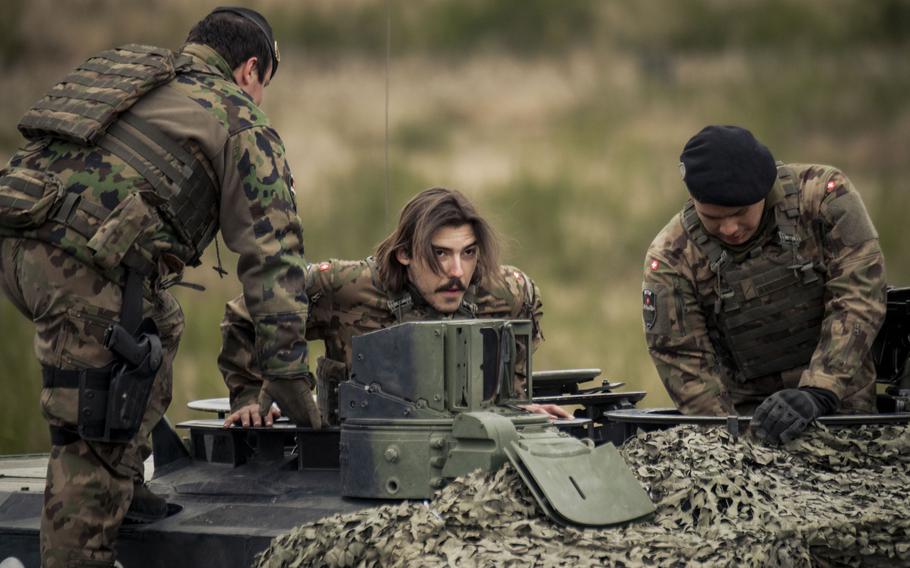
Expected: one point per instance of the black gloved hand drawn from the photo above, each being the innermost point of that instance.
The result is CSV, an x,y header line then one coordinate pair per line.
x,y
785,414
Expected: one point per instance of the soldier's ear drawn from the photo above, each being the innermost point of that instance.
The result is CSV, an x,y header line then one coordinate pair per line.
x,y
245,73
403,257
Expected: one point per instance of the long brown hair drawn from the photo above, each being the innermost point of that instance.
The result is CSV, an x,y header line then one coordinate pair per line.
x,y
426,213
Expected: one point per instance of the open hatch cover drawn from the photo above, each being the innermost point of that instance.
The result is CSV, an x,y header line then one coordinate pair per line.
x,y
578,484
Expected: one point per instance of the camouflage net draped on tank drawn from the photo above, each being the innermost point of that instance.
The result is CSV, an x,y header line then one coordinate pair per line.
x,y
834,497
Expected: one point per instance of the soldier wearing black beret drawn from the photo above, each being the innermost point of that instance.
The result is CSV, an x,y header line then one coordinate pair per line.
x,y
764,294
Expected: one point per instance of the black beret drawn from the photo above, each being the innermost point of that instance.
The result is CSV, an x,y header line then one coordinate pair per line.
x,y
727,166
260,22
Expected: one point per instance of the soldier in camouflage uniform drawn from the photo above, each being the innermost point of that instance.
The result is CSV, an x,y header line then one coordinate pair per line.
x,y
441,262
132,163
763,296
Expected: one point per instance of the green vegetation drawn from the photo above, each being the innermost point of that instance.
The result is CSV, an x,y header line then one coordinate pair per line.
x,y
441,27
563,120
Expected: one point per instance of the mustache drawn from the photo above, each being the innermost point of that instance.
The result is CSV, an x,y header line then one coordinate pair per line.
x,y
452,284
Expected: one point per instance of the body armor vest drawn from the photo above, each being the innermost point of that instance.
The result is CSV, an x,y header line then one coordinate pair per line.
x,y
90,106
767,307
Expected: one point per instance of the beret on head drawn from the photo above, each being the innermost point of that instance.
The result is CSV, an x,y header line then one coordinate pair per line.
x,y
727,166
260,22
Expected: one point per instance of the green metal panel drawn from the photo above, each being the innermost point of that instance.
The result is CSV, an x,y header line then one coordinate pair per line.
x,y
576,483
393,461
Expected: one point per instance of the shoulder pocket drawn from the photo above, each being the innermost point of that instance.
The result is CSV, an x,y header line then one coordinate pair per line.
x,y
27,196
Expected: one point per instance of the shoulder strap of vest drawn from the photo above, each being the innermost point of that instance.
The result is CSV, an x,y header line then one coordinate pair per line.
x,y
467,308
184,184
717,256
400,305
786,213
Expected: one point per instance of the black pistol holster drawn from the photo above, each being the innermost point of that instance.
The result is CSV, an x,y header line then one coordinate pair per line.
x,y
113,398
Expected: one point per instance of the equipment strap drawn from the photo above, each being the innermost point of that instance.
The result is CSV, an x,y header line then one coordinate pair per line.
x,y
143,150
765,311
83,95
810,319
767,366
96,379
23,186
186,159
61,436
107,69
401,305
185,186
15,202
131,310
116,83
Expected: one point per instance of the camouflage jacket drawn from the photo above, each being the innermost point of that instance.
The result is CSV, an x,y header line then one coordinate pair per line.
x,y
204,111
838,236
347,299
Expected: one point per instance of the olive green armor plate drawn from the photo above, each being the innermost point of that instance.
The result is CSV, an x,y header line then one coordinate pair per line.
x,y
578,484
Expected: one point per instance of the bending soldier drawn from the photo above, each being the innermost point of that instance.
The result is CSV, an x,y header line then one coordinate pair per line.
x,y
131,165
763,296
440,262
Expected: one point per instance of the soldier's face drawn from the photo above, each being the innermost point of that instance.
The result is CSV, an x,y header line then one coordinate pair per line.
x,y
732,225
456,250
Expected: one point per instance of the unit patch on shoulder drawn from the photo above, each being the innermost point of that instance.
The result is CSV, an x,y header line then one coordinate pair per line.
x,y
655,264
325,266
648,307
829,187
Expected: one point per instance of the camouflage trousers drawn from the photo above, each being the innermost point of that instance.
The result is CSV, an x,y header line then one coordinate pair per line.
x,y
89,484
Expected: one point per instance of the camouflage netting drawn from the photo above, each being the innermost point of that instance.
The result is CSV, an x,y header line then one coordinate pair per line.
x,y
834,497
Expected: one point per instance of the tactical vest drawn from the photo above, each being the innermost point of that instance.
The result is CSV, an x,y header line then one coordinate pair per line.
x,y
90,106
766,310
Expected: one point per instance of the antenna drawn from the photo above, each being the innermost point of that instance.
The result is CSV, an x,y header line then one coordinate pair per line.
x,y
388,59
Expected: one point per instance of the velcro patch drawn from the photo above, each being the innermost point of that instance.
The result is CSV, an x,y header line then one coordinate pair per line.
x,y
648,307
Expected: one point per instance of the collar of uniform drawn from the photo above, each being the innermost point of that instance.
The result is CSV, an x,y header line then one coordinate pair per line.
x,y
207,60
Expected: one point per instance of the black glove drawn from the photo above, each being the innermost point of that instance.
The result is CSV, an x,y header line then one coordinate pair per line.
x,y
295,399
785,414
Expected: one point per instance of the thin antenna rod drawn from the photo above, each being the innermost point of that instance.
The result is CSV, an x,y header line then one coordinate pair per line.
x,y
388,58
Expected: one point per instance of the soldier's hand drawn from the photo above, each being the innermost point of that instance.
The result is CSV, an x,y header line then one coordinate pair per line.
x,y
554,411
785,414
249,415
295,398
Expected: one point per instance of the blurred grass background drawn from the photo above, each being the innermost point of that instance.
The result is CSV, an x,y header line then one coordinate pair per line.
x,y
563,120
